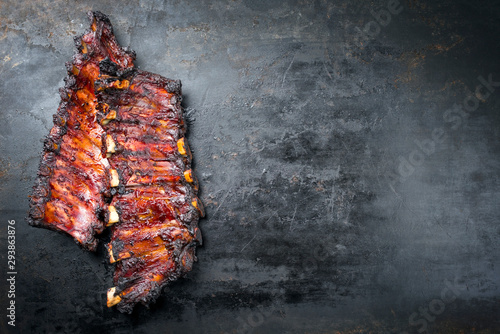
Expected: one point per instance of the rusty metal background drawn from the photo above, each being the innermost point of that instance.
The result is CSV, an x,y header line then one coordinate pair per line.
x,y
347,151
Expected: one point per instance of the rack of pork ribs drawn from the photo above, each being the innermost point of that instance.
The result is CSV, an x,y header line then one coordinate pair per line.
x,y
117,156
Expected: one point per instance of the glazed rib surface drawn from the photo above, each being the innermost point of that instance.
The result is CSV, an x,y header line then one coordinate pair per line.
x,y
155,203
117,156
69,194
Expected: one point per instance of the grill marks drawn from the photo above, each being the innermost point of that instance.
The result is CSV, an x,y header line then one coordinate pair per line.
x,y
117,156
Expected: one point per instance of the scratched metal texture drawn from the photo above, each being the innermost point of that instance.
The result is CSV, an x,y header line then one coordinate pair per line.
x,y
347,187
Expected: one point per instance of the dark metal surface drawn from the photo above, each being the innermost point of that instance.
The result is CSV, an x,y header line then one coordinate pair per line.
x,y
351,179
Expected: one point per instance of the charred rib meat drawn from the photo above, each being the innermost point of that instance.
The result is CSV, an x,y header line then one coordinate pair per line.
x,y
69,194
154,213
117,156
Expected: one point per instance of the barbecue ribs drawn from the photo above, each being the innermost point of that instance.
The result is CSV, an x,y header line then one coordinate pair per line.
x,y
117,156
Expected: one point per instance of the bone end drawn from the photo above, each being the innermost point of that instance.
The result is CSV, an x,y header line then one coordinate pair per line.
x,y
110,144
112,299
115,179
181,146
113,215
110,252
188,175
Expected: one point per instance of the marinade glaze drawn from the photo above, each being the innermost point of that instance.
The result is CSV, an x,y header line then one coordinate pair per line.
x,y
117,155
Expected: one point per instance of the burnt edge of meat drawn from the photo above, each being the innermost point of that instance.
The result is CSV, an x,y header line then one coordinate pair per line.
x,y
135,289
41,193
51,145
116,63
